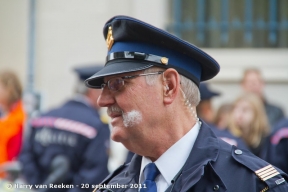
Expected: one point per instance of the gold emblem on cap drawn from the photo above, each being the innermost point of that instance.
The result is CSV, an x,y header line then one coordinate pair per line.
x,y
164,60
109,39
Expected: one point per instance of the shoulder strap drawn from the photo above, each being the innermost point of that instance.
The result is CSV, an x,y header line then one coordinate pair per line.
x,y
224,145
267,173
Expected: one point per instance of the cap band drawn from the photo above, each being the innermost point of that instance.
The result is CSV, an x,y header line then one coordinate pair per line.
x,y
137,55
176,60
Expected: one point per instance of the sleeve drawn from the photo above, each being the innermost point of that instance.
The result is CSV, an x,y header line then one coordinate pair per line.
x,y
30,170
279,115
277,154
280,188
95,162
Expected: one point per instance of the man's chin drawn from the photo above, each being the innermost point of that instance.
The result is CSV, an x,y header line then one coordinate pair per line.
x,y
116,137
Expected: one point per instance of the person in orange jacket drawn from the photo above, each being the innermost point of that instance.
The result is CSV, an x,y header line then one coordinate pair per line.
x,y
12,116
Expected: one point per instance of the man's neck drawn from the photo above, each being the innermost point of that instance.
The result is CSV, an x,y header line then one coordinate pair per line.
x,y
168,137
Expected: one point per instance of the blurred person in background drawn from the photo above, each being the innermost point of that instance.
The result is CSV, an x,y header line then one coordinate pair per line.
x,y
222,116
252,82
12,117
249,121
205,111
276,147
69,144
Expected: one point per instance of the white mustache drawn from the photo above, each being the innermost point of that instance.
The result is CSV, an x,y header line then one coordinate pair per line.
x,y
129,119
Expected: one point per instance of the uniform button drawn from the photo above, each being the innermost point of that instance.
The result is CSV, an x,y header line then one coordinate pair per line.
x,y
216,188
238,151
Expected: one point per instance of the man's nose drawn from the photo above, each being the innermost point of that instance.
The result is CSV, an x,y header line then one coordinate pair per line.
x,y
106,98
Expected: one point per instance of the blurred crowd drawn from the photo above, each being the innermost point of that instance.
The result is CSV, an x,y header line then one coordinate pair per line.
x,y
257,122
71,143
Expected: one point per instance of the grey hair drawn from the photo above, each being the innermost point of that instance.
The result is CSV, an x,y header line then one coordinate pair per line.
x,y
190,89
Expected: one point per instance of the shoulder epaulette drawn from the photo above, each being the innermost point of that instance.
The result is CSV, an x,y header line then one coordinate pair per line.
x,y
266,172
263,170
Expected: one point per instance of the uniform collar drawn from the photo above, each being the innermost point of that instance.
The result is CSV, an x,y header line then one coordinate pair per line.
x,y
205,150
168,159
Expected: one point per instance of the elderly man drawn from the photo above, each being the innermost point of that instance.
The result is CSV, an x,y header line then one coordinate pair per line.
x,y
150,86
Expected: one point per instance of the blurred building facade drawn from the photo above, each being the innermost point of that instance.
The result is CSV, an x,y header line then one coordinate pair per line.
x,y
68,33
231,23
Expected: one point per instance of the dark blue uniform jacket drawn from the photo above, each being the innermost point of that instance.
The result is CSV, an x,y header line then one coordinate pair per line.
x,y
75,131
223,134
229,138
276,148
274,113
213,165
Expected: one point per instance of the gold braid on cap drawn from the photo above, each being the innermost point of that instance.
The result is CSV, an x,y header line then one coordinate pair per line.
x,y
109,39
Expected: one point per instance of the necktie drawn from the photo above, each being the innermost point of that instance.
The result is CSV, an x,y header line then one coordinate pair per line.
x,y
150,173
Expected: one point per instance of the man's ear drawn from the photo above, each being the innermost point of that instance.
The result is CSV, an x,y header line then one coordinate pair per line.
x,y
171,85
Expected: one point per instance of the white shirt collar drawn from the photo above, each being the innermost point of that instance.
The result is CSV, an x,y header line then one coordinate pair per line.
x,y
171,162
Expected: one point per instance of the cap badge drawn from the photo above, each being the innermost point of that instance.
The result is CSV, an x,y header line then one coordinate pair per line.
x,y
164,60
110,39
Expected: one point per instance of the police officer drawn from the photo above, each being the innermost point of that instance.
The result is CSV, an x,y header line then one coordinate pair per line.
x,y
69,144
276,148
150,88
